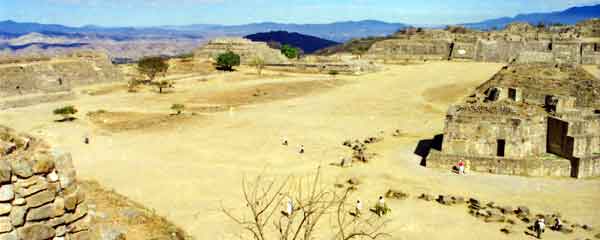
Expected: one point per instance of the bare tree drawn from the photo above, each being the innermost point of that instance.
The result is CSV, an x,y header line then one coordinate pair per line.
x,y
313,201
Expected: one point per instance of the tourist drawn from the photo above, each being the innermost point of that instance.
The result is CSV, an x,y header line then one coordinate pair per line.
x,y
539,227
301,149
289,208
358,208
557,224
461,167
285,142
86,140
380,207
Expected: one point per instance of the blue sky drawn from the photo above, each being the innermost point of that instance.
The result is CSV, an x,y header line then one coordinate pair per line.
x,y
183,12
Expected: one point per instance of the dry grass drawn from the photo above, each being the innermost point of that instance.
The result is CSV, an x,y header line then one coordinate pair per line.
x,y
269,92
126,121
113,210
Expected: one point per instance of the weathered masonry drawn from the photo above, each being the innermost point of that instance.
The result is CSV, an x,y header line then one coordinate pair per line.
x,y
529,119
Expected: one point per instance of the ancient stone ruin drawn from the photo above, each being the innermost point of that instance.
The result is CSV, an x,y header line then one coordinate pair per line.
x,y
247,49
39,195
35,80
529,119
519,42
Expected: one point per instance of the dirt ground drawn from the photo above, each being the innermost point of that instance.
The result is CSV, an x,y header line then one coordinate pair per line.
x,y
186,168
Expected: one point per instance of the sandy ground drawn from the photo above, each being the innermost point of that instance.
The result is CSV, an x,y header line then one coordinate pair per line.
x,y
186,167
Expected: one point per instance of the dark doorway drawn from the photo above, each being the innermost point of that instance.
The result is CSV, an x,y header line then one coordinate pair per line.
x,y
501,148
556,142
549,46
512,94
493,95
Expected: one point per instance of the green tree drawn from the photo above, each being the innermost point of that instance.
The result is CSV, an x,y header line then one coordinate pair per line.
x,y
178,108
290,51
66,113
152,66
227,61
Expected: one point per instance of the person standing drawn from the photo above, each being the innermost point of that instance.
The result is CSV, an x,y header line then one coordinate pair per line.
x,y
461,167
380,208
289,208
359,207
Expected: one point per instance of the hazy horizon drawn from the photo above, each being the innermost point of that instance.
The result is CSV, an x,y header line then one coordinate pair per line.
x,y
144,13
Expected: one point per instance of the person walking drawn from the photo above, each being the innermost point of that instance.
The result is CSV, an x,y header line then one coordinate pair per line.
x,y
539,227
301,149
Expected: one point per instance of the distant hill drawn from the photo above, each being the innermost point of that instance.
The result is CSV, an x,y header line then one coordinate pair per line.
x,y
307,43
569,16
337,31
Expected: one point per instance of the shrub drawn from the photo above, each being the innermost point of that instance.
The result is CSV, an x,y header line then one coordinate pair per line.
x,y
178,108
227,61
66,113
290,51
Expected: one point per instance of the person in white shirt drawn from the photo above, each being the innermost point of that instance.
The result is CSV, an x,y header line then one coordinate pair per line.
x,y
359,207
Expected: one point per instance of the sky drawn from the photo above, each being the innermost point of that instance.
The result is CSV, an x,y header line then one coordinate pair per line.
x,y
231,12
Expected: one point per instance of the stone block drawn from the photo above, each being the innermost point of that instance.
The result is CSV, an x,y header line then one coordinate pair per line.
x,y
36,232
21,167
40,198
12,235
17,216
5,225
40,213
31,186
5,208
7,192
42,163
5,172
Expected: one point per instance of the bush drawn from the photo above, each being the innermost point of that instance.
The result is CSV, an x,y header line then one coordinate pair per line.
x,y
66,113
178,108
227,61
290,51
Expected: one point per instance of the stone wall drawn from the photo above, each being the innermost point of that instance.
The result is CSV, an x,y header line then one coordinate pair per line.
x,y
488,50
39,195
400,49
33,99
589,167
479,134
247,49
534,167
57,74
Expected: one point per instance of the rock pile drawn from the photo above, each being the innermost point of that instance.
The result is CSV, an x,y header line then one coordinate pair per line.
x,y
359,150
39,196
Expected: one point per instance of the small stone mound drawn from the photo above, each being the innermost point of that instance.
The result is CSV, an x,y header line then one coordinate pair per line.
x,y
39,193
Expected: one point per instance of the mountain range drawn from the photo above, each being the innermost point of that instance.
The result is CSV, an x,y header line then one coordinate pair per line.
x,y
568,16
134,42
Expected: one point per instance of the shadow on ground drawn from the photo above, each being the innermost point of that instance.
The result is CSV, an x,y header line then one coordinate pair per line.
x,y
425,145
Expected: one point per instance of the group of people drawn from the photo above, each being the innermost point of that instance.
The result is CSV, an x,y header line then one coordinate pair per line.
x,y
380,208
539,226
285,143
